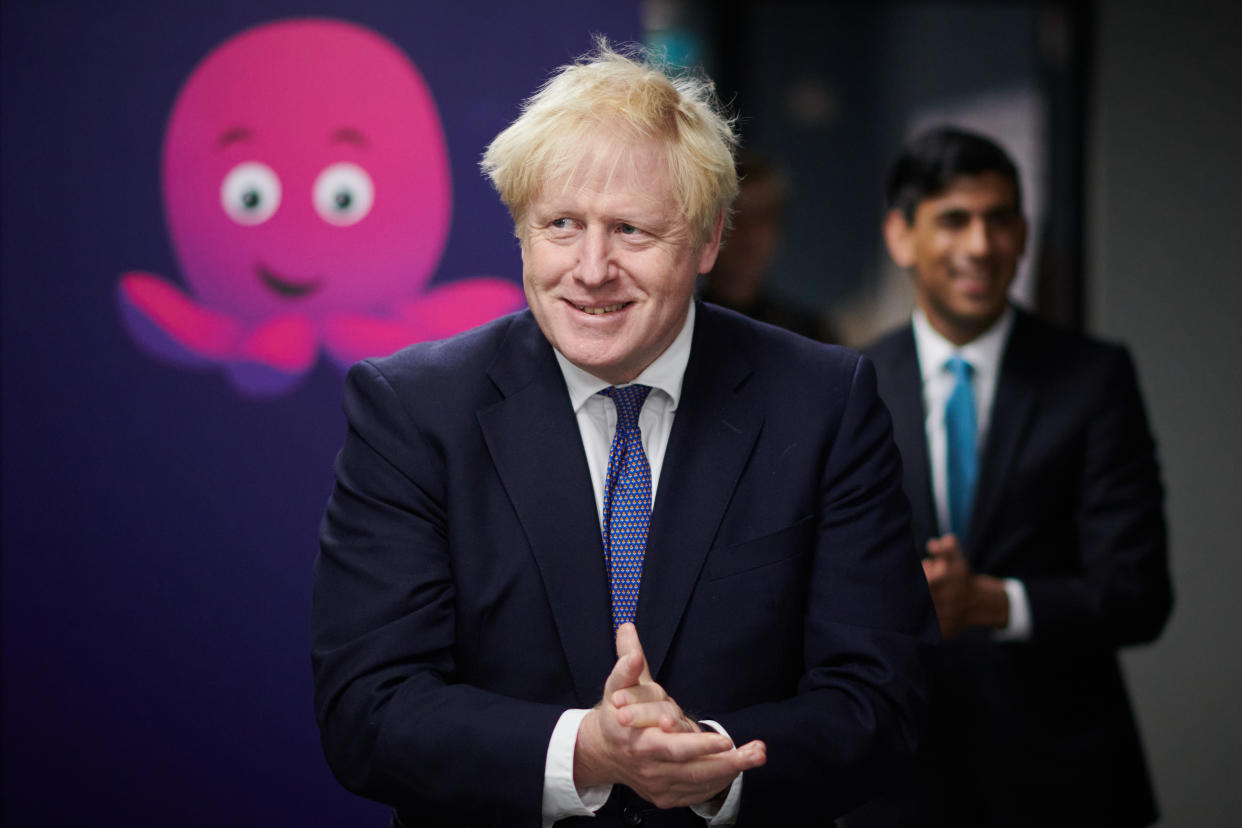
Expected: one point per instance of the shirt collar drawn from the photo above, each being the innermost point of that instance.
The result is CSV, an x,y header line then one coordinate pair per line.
x,y
983,352
665,373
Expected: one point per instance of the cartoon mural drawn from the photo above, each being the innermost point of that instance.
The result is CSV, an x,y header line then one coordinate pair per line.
x,y
307,193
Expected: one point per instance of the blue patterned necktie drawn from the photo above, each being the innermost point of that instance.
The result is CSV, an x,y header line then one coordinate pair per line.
x,y
627,502
961,428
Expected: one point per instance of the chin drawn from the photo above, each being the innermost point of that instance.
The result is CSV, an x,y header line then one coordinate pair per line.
x,y
590,359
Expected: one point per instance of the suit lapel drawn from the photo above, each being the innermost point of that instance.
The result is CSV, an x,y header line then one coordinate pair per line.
x,y
1012,409
533,437
901,386
717,423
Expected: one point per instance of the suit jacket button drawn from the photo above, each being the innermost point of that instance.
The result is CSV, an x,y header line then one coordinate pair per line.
x,y
631,815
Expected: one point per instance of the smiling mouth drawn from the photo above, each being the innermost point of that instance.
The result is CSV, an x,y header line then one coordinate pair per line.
x,y
599,310
287,287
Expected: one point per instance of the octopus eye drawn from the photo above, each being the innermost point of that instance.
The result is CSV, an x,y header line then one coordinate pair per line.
x,y
343,194
250,193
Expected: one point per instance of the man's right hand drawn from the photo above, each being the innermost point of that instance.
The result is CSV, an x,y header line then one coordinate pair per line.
x,y
638,736
963,598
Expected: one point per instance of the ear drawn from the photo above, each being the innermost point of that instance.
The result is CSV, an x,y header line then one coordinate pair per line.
x,y
899,236
711,248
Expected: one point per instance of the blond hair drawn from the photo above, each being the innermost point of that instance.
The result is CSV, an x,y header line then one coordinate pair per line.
x,y
622,95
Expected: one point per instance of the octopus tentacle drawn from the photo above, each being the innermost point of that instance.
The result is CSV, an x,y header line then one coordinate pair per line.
x,y
440,312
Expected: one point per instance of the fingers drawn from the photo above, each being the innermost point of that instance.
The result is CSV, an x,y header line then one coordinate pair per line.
x,y
641,693
631,664
640,702
646,704
665,715
750,755
944,547
625,673
939,574
695,780
640,736
948,579
652,745
628,644
627,639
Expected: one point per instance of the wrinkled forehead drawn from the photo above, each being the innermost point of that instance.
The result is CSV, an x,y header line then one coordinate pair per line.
x,y
602,159
613,164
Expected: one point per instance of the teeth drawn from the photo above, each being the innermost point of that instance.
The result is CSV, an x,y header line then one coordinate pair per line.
x,y
598,311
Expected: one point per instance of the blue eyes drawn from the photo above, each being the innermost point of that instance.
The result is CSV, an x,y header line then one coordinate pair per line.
x,y
568,224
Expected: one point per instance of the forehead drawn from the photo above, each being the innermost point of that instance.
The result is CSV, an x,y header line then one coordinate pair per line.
x,y
611,174
976,193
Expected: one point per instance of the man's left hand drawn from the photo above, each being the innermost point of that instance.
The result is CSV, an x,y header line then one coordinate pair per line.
x,y
962,598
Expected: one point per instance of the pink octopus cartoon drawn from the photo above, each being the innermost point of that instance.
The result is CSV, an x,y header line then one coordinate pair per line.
x,y
307,193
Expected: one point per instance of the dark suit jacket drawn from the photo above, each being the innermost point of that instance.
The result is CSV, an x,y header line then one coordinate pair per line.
x,y
461,602
1069,502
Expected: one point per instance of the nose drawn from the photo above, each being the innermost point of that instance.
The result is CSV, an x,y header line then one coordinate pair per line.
x,y
978,238
594,257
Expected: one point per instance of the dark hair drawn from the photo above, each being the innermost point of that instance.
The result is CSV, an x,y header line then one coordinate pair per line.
x,y
934,159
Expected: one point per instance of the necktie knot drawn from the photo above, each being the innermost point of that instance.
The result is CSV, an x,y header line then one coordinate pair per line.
x,y
629,400
959,368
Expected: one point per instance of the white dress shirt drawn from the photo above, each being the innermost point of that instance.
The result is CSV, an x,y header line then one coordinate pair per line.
x,y
984,355
597,423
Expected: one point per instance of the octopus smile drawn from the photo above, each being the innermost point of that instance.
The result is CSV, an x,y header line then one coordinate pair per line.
x,y
287,287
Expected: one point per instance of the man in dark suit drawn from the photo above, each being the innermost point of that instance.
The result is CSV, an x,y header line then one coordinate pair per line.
x,y
545,530
744,265
1033,480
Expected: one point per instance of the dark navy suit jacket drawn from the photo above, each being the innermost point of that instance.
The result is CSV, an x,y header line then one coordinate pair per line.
x,y
461,601
1069,501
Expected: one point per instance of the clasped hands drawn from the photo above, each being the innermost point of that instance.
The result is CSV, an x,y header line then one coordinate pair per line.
x,y
963,598
638,736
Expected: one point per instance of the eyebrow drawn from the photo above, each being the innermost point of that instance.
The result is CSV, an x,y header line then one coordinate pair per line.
x,y
992,212
233,135
349,135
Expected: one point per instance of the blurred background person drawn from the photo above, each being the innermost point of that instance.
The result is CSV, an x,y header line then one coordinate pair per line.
x,y
1035,489
738,281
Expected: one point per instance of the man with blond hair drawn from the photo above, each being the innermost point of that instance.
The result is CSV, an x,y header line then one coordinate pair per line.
x,y
546,529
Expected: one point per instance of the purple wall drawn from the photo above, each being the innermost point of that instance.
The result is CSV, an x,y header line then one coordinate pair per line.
x,y
159,524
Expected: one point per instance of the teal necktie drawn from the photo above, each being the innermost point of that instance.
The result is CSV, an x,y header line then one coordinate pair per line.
x,y
627,503
961,429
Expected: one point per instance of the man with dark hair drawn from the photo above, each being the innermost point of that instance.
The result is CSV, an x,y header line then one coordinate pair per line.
x,y
939,156
1036,493
738,281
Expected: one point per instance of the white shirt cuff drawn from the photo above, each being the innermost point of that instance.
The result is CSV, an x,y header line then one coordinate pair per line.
x,y
1019,627
560,797
726,814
